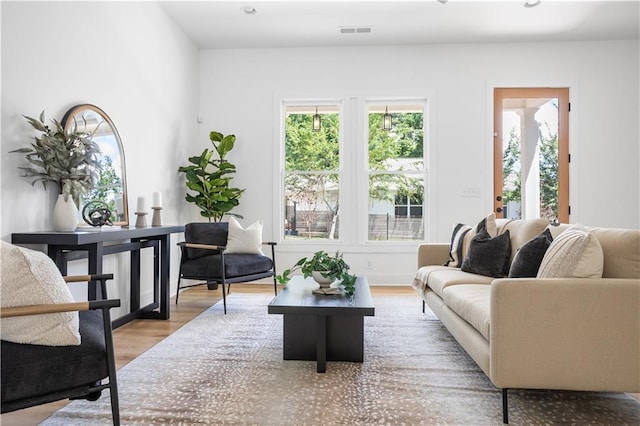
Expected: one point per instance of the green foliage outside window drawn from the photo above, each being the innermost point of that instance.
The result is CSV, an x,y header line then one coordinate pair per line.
x,y
312,162
511,169
108,185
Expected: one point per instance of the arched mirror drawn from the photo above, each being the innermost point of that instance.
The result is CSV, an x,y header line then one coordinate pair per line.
x,y
112,184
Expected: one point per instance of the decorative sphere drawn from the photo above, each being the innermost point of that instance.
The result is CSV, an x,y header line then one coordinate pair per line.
x,y
97,213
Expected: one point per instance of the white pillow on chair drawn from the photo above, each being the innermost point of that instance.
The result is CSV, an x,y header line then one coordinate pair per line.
x,y
29,277
244,240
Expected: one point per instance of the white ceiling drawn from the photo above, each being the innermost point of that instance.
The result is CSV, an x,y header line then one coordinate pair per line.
x,y
216,24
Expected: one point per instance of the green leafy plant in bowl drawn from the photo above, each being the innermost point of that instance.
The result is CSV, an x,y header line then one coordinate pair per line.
x,y
328,266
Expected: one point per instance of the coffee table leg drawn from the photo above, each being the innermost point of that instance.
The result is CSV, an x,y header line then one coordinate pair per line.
x,y
321,343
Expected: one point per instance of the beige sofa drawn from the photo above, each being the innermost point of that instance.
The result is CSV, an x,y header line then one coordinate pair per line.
x,y
534,333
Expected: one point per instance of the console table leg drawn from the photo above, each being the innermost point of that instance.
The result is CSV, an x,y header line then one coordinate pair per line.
x,y
165,260
321,343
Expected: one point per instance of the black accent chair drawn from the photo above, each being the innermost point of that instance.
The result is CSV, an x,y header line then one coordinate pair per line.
x,y
204,259
35,374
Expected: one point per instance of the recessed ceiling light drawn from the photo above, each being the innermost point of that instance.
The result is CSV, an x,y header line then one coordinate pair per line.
x,y
249,10
531,3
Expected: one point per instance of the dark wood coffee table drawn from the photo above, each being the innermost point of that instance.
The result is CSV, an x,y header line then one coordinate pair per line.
x,y
322,328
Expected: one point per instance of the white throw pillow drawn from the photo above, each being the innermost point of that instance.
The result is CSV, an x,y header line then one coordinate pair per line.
x,y
573,254
29,277
244,240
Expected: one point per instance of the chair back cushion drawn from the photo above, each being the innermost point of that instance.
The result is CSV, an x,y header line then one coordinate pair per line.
x,y
205,233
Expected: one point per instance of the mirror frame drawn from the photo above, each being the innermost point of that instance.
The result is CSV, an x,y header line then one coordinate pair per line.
x,y
68,121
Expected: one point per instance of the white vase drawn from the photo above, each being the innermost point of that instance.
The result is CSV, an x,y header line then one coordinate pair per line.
x,y
323,281
65,214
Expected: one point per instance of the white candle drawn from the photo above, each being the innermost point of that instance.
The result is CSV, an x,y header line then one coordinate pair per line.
x,y
157,200
141,205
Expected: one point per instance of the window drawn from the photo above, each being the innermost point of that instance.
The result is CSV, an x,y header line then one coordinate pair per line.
x,y
380,173
396,172
311,177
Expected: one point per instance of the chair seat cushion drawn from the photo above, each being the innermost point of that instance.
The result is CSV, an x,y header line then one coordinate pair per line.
x,y
32,370
235,265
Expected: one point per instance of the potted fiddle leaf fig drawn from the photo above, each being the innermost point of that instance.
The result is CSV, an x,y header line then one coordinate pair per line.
x,y
68,159
209,178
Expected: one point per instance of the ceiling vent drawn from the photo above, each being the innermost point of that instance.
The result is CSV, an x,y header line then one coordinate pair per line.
x,y
356,30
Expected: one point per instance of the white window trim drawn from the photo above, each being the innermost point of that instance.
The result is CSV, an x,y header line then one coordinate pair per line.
x,y
363,237
353,168
282,103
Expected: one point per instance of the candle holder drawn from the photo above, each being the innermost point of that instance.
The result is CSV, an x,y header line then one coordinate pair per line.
x,y
156,219
141,221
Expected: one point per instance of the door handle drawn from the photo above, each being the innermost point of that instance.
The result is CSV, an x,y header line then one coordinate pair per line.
x,y
499,209
499,198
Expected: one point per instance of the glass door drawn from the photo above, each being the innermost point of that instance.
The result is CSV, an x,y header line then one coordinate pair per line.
x,y
531,154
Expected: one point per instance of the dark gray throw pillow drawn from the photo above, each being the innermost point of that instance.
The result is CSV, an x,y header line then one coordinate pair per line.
x,y
488,256
529,257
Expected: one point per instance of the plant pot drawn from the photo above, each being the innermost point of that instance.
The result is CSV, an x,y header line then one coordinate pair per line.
x,y
324,282
65,214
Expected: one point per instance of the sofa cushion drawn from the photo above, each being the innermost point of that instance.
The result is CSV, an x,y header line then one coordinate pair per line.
x,y
472,302
521,230
439,279
457,242
573,254
529,257
488,255
422,276
462,235
621,249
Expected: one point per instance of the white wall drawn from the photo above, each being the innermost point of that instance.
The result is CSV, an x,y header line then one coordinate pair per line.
x,y
133,62
129,59
239,91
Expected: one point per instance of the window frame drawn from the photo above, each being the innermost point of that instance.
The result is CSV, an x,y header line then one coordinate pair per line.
x,y
353,112
368,172
281,216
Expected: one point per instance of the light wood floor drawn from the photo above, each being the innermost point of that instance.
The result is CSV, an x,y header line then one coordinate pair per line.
x,y
136,337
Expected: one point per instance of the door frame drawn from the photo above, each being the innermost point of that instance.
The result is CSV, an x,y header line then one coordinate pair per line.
x,y
562,94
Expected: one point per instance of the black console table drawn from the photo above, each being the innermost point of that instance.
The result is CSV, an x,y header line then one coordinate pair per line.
x,y
94,244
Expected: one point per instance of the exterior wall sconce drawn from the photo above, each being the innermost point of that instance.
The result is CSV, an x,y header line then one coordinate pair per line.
x,y
386,119
316,121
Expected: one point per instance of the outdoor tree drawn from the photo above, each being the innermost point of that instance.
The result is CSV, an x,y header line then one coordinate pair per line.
x,y
548,172
313,153
511,179
312,162
106,186
548,165
404,140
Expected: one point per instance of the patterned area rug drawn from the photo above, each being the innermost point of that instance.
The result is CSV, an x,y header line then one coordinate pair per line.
x,y
228,369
